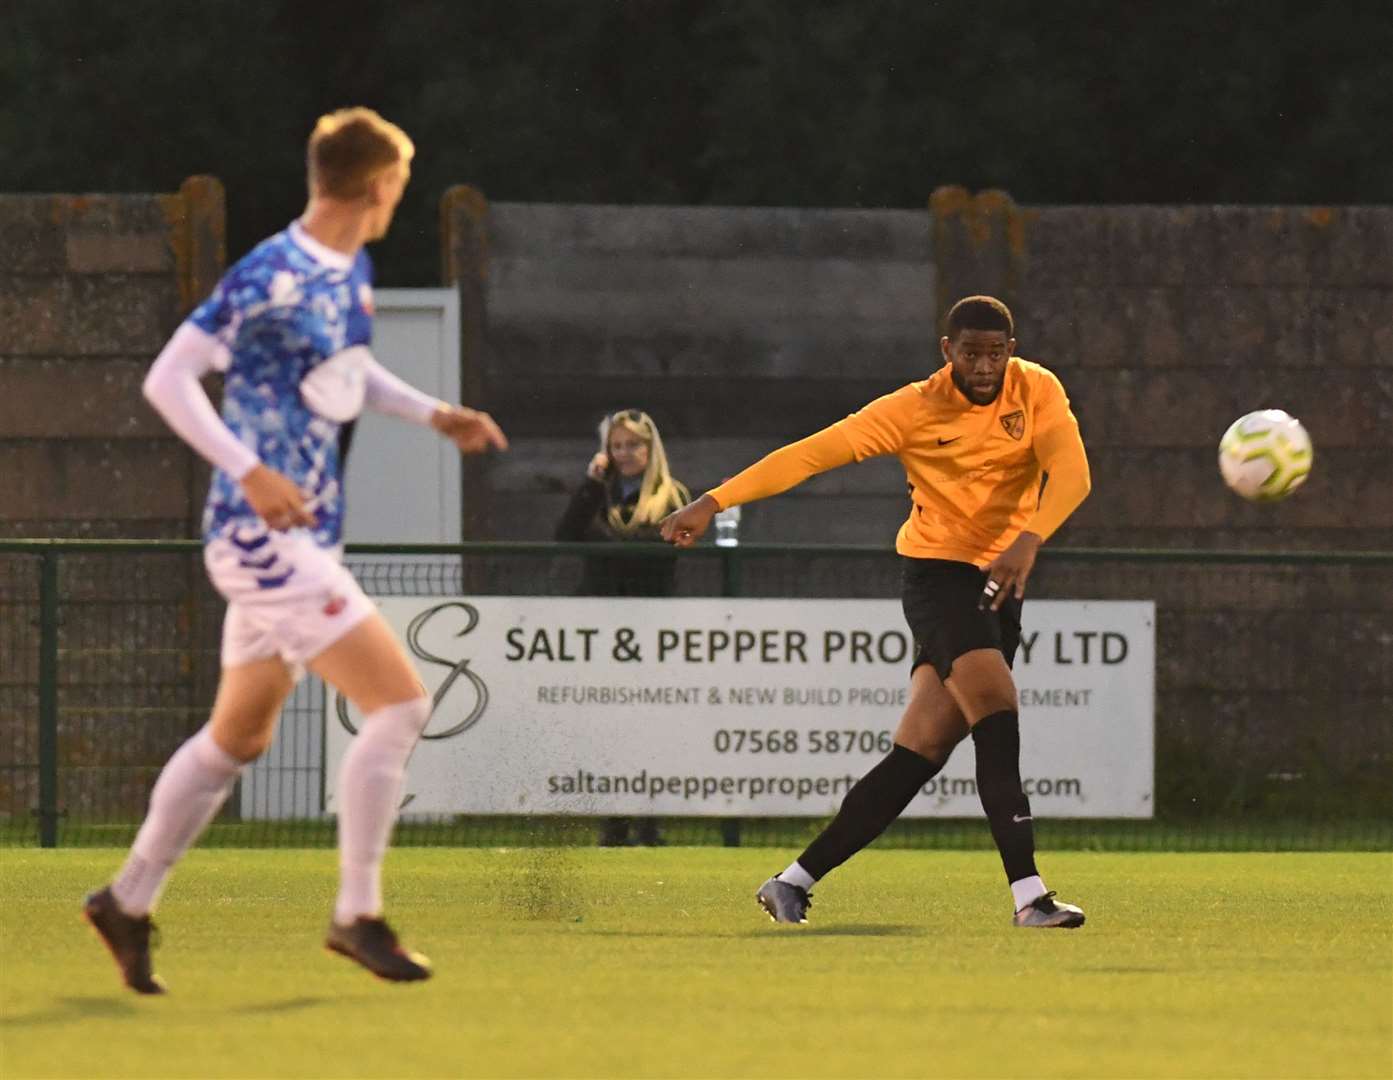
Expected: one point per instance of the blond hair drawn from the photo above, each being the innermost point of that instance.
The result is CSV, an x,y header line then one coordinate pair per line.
x,y
349,147
658,494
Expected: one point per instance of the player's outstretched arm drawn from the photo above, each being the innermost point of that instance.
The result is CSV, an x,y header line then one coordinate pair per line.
x,y
470,430
686,526
776,472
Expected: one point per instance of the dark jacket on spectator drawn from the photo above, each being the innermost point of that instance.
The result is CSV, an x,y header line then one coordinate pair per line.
x,y
587,518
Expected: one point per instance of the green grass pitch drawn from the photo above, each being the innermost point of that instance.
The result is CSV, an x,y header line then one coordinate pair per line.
x,y
632,962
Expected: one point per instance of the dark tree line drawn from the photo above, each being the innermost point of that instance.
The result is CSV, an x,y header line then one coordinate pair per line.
x,y
764,102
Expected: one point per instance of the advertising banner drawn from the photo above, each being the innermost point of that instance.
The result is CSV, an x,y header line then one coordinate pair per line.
x,y
744,707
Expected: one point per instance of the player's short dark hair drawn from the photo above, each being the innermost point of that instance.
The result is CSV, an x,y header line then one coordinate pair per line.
x,y
979,313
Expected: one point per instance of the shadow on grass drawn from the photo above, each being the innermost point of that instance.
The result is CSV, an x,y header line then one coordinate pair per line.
x,y
1122,971
288,1005
863,930
69,1009
847,930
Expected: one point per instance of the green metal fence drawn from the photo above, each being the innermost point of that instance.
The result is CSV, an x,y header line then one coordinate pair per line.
x,y
1274,689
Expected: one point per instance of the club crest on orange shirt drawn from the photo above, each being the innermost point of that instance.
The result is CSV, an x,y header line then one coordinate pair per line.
x,y
1014,423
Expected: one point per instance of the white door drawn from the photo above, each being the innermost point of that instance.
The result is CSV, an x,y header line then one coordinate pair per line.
x,y
403,482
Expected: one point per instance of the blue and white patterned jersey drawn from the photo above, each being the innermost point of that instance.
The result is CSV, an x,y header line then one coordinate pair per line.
x,y
281,312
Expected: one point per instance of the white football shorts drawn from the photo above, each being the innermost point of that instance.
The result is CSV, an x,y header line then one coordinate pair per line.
x,y
286,596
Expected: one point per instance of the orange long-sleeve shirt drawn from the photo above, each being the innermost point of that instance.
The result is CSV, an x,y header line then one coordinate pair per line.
x,y
974,471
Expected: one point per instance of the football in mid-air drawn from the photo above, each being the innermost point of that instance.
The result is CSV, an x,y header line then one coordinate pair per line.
x,y
1265,455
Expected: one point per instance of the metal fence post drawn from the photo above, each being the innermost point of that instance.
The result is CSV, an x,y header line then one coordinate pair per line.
x,y
730,586
48,698
730,571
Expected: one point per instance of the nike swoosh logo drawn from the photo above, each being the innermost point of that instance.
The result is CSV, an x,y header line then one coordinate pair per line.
x,y
945,442
1018,819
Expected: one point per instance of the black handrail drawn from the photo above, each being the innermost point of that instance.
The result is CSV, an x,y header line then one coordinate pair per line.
x,y
655,550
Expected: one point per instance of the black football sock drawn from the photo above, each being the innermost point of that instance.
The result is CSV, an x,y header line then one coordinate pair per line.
x,y
877,799
997,739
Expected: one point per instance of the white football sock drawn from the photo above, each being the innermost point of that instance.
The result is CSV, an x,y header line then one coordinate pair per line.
x,y
369,790
1026,890
796,875
191,787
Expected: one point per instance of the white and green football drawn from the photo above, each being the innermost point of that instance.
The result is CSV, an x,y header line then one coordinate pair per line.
x,y
1265,455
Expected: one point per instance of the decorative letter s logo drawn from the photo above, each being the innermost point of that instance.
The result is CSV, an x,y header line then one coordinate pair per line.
x,y
457,668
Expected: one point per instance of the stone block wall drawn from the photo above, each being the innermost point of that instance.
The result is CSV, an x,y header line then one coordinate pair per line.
x,y
91,288
1166,323
740,329
736,329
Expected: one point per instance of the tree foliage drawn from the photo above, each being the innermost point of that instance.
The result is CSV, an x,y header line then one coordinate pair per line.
x,y
761,102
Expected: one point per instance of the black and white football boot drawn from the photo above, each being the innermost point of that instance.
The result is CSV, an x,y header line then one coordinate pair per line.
x,y
1044,913
783,902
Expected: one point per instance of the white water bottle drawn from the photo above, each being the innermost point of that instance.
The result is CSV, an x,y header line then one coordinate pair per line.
x,y
728,527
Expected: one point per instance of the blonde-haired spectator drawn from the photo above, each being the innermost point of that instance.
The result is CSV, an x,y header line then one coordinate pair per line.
x,y
627,491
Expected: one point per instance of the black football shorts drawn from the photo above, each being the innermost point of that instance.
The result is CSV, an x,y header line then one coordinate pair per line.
x,y
941,599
